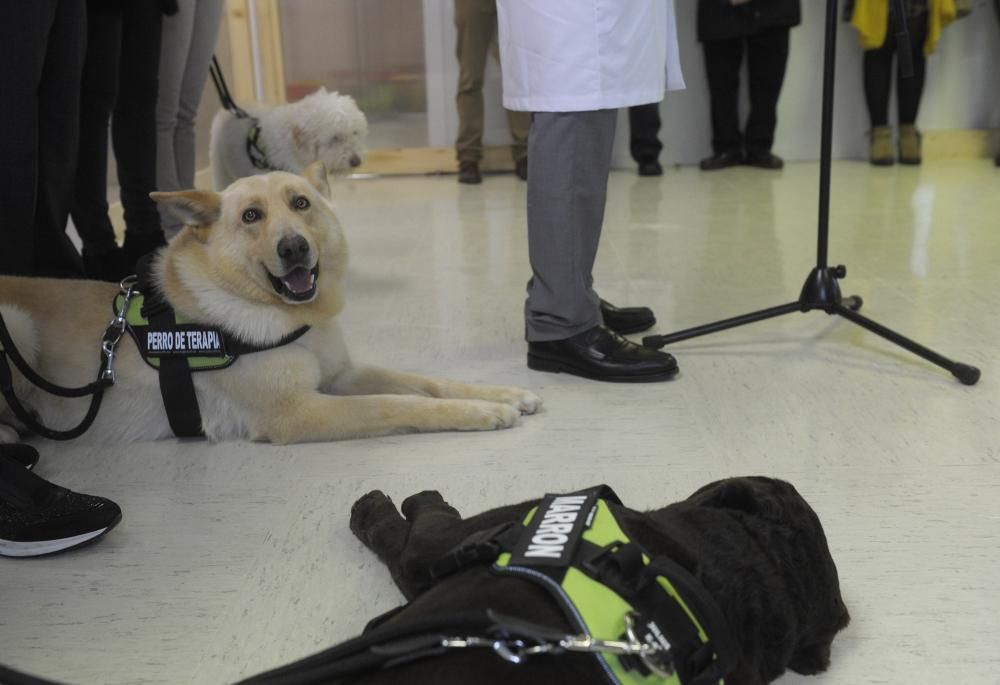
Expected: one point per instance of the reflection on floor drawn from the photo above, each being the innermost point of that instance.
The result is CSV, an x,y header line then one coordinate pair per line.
x,y
233,558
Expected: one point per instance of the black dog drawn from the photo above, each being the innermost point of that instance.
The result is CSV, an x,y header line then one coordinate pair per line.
x,y
753,544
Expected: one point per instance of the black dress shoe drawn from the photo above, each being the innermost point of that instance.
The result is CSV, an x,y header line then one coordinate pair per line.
x,y
721,160
997,160
468,172
765,160
650,168
602,355
627,320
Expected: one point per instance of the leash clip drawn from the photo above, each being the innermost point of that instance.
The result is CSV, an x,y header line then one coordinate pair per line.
x,y
115,331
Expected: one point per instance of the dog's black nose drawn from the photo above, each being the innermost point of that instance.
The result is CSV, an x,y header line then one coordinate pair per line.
x,y
355,160
293,248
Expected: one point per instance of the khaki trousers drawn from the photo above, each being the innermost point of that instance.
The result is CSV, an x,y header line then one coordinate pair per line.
x,y
476,23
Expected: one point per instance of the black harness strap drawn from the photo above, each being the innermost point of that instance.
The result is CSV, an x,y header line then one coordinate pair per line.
x,y
177,385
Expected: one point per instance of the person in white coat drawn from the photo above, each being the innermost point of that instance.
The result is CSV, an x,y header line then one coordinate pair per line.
x,y
573,64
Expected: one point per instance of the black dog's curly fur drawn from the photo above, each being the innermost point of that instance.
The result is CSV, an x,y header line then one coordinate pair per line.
x,y
754,543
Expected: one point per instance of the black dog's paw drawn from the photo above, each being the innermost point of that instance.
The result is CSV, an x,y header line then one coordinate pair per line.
x,y
811,660
367,511
428,499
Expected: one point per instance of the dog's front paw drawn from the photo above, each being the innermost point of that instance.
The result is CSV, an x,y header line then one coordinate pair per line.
x,y
525,401
480,415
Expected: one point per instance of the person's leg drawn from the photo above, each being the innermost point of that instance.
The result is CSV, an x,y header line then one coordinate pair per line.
x,y
644,128
24,39
910,90
475,22
519,122
206,33
877,66
722,65
569,158
58,138
175,46
133,126
98,89
767,57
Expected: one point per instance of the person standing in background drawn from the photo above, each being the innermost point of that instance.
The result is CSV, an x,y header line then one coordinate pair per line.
x,y
644,142
42,43
188,43
759,28
573,69
876,23
476,25
121,83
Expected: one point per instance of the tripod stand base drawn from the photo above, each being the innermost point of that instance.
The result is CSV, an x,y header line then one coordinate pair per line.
x,y
822,291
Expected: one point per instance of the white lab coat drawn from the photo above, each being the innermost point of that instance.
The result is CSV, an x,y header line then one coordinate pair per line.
x,y
583,55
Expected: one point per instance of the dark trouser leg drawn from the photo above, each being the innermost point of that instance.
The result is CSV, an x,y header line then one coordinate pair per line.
x,y
878,80
644,129
569,157
722,66
58,137
910,90
767,57
97,99
133,126
475,23
24,39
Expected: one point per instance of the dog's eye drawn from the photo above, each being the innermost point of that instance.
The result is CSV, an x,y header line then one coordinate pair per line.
x,y
301,202
251,215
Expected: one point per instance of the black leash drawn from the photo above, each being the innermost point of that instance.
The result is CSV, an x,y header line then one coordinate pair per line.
x,y
222,88
105,377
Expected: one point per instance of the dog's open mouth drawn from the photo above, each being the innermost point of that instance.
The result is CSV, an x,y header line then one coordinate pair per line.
x,y
299,284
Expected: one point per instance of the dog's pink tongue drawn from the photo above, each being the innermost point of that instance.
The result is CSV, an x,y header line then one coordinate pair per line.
x,y
299,280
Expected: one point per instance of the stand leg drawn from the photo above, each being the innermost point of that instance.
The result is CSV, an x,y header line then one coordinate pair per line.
x,y
659,341
969,375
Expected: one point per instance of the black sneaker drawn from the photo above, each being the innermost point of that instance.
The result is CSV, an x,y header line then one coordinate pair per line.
x,y
25,455
38,517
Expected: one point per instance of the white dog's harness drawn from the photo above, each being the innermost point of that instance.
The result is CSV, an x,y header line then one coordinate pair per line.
x,y
254,146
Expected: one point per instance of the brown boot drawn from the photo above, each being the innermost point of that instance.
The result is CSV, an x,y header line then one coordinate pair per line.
x,y
468,172
909,145
880,153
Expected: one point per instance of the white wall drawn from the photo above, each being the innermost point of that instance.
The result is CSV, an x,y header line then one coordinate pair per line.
x,y
963,87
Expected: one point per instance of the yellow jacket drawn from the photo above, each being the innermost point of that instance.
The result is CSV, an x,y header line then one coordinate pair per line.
x,y
871,19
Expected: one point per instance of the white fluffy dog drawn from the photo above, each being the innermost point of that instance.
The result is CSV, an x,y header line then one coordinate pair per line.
x,y
321,127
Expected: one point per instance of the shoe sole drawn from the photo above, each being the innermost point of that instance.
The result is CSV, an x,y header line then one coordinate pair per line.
x,y
536,363
11,548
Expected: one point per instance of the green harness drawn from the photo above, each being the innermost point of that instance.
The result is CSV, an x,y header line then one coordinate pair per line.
x,y
610,589
177,347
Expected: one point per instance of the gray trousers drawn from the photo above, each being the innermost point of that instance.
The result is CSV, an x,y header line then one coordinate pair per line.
x,y
188,43
569,158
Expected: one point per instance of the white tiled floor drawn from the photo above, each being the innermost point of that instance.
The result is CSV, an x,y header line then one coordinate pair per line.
x,y
234,558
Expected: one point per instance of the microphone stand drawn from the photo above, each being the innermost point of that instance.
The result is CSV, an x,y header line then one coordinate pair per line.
x,y
821,290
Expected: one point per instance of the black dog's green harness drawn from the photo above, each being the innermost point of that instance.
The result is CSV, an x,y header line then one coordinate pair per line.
x,y
610,590
646,621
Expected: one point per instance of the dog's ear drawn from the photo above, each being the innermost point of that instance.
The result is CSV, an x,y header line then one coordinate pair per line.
x,y
315,173
732,493
197,208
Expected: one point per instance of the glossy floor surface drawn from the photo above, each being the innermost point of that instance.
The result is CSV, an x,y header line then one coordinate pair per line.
x,y
233,558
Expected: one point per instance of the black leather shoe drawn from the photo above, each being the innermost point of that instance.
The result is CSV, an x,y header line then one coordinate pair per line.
x,y
765,160
602,355
627,320
650,168
468,172
997,160
721,161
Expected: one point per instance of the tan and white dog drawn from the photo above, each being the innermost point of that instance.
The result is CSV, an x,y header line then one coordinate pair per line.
x,y
259,260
